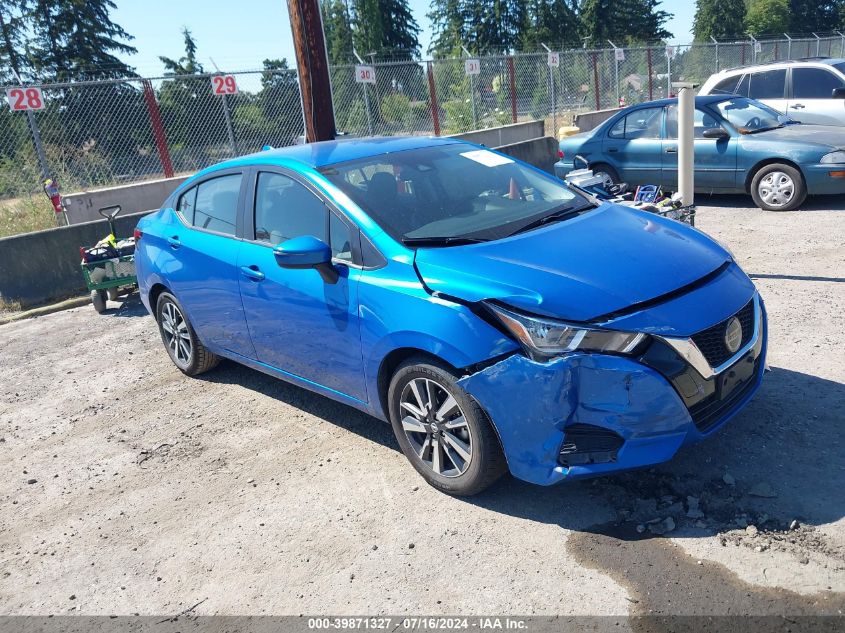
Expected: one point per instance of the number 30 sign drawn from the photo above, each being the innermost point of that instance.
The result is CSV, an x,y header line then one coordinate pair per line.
x,y
21,99
224,85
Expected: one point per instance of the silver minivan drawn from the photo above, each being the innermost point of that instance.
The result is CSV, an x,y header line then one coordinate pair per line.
x,y
808,90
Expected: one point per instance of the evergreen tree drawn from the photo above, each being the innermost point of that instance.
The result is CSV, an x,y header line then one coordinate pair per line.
x,y
337,29
551,22
77,39
814,16
385,27
447,25
767,17
13,15
187,64
722,19
623,21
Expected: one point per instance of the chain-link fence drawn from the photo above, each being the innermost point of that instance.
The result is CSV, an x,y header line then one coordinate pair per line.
x,y
97,134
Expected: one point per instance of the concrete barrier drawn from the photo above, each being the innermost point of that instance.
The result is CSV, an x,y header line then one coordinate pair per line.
x,y
44,266
506,134
587,121
540,152
134,198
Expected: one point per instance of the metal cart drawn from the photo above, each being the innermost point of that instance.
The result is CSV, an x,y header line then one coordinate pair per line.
x,y
108,273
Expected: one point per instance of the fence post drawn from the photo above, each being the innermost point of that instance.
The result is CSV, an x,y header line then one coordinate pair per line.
x,y
227,117
158,128
596,79
512,77
650,77
432,92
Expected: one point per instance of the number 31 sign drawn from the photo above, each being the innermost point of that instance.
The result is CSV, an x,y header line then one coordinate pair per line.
x,y
224,85
21,99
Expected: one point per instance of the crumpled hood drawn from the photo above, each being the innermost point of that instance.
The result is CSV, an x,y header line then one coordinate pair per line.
x,y
597,263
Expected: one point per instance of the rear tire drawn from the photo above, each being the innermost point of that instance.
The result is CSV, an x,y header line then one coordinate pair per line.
x,y
607,173
181,342
113,294
98,300
778,187
442,430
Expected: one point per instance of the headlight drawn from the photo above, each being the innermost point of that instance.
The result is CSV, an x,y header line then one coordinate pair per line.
x,y
546,338
834,157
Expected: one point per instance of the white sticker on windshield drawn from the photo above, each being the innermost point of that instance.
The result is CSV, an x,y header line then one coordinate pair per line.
x,y
487,158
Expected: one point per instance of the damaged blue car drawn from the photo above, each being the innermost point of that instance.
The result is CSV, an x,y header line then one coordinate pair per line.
x,y
499,320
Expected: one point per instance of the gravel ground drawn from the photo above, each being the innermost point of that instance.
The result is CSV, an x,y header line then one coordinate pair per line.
x,y
129,488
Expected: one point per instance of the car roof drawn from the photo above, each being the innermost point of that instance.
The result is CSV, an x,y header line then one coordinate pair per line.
x,y
699,100
323,153
808,61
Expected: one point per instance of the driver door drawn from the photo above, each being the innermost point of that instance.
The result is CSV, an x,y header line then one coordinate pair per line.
x,y
715,159
298,323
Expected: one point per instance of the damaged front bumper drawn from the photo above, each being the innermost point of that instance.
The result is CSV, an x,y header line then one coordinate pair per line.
x,y
624,413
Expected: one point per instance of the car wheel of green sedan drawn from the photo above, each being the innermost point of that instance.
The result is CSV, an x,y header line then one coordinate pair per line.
x,y
778,187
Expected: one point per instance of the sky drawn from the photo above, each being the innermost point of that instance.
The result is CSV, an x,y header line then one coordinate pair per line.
x,y
239,35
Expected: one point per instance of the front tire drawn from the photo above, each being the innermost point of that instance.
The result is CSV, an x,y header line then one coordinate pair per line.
x,y
608,175
442,430
778,187
98,300
184,348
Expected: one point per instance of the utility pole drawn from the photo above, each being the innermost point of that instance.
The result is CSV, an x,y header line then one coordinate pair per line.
x,y
313,70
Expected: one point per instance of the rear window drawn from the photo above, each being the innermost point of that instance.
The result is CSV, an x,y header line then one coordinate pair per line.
x,y
768,84
726,86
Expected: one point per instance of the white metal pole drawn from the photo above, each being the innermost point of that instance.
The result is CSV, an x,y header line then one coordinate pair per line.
x,y
615,70
686,148
818,42
788,46
366,97
716,42
842,43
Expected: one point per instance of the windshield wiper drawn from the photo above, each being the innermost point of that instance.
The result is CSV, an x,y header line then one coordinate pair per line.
x,y
765,129
437,240
554,216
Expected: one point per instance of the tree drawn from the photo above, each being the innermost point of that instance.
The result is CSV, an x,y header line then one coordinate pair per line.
x,y
809,16
13,15
337,29
623,21
767,17
385,27
74,39
722,19
551,22
447,26
187,64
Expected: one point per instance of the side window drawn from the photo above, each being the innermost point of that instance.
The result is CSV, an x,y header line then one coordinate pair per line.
x,y
768,84
186,203
742,87
216,206
700,120
726,86
340,238
813,83
644,123
285,209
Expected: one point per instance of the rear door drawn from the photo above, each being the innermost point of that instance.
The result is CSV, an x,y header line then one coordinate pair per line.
x,y
632,146
204,248
769,86
811,101
298,322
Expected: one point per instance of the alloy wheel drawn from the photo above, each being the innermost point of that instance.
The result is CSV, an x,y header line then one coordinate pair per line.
x,y
177,338
606,180
776,189
436,427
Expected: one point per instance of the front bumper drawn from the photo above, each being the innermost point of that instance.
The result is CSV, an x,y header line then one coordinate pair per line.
x,y
532,406
820,181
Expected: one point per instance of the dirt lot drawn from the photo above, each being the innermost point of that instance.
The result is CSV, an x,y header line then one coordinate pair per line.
x,y
129,488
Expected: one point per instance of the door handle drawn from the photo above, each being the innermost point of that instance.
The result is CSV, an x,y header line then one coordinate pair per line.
x,y
671,150
252,272
612,150
174,242
797,106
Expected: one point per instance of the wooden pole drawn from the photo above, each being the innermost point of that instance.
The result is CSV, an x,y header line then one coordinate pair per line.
x,y
313,69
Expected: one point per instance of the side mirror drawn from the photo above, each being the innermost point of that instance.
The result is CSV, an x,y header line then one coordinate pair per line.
x,y
307,252
838,93
715,132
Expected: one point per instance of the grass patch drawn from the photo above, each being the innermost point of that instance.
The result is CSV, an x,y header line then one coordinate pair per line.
x,y
26,214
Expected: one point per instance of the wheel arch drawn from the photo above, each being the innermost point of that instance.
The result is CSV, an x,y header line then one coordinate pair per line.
x,y
155,292
388,366
749,177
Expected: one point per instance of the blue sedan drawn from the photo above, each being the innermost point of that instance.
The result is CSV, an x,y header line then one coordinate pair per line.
x,y
741,146
497,319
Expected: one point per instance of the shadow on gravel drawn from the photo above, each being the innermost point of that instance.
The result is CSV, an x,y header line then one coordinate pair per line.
x,y
812,203
128,306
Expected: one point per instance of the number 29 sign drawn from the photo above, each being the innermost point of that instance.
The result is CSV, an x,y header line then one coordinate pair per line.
x,y
22,99
224,85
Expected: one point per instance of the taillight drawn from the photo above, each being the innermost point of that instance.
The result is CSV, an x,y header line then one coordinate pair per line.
x,y
560,154
138,234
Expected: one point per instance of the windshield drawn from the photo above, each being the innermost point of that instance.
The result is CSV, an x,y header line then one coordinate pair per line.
x,y
450,193
749,116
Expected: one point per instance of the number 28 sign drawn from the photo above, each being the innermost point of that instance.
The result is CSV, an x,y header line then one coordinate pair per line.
x,y
224,85
22,99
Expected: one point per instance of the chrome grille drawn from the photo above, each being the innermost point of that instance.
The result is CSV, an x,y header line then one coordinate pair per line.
x,y
711,342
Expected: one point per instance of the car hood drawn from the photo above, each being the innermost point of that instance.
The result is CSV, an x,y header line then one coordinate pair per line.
x,y
828,135
600,262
